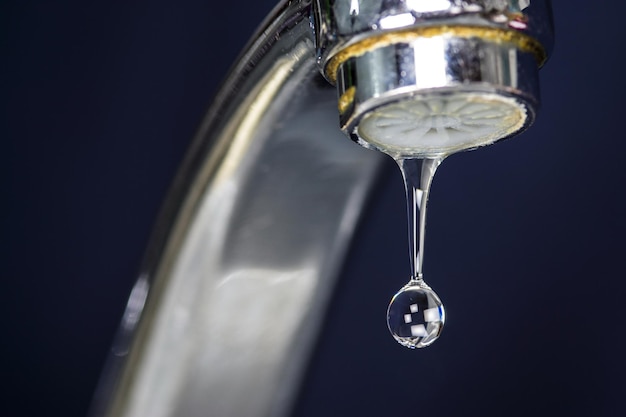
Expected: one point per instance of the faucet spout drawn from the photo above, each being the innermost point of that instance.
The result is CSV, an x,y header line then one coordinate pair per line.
x,y
256,226
426,79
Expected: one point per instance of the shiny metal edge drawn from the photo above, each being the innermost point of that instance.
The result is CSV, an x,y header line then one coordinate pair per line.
x,y
342,23
439,65
248,245
494,36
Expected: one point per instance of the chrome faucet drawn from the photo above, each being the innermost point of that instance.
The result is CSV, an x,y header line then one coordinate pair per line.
x,y
253,233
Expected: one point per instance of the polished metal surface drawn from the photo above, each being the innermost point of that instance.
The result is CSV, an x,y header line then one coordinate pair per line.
x,y
437,68
250,243
341,23
425,53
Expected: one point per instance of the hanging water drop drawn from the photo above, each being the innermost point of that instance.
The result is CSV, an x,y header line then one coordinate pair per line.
x,y
416,315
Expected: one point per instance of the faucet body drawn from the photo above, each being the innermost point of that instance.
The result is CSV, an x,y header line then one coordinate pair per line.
x,y
253,234
248,245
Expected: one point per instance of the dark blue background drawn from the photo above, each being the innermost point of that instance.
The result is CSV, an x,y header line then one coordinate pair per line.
x,y
525,240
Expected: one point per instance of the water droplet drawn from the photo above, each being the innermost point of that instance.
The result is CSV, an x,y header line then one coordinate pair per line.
x,y
416,316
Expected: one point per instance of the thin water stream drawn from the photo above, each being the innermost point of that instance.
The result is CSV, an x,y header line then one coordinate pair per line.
x,y
416,315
